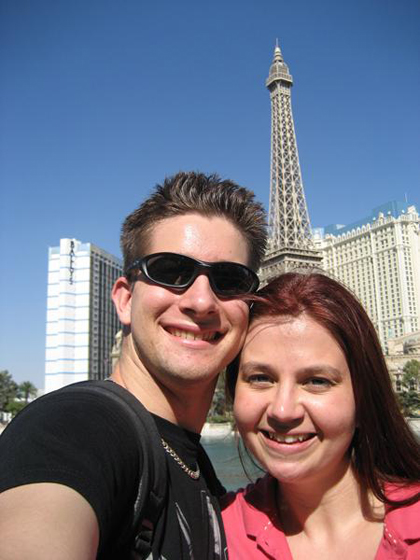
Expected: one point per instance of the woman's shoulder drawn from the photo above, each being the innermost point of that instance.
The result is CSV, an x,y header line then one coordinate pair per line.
x,y
258,496
398,491
404,519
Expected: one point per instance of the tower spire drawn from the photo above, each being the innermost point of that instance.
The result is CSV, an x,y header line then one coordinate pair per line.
x,y
290,237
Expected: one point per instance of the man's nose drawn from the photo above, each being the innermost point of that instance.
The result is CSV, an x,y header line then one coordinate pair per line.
x,y
199,298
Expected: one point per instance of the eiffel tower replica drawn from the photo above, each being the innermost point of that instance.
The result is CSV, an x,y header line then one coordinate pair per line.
x,y
290,243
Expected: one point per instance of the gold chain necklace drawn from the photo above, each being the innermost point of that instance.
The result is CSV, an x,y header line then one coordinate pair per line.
x,y
177,458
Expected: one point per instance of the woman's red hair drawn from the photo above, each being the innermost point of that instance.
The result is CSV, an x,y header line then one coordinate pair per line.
x,y
384,447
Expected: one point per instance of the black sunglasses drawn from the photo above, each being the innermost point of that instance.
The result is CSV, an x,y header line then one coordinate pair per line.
x,y
178,271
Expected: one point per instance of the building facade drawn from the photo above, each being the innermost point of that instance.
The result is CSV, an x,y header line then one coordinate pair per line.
x,y
81,320
378,258
290,243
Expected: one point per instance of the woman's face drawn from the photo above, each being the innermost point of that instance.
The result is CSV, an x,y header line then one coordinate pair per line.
x,y
294,402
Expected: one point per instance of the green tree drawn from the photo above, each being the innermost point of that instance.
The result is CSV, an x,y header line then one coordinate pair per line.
x,y
220,410
14,407
8,390
409,397
26,390
411,375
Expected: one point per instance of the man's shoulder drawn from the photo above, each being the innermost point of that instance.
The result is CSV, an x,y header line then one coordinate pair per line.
x,y
84,416
72,405
85,436
95,397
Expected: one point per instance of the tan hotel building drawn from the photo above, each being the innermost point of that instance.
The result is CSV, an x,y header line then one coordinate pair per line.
x,y
379,260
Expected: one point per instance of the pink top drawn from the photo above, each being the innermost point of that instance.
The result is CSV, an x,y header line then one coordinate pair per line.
x,y
253,529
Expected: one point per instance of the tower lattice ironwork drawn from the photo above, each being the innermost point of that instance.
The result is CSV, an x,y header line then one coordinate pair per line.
x,y
290,238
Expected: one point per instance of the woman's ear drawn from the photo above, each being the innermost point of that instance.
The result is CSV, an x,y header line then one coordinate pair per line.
x,y
121,296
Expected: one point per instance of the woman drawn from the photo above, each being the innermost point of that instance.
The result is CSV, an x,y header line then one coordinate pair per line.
x,y
314,404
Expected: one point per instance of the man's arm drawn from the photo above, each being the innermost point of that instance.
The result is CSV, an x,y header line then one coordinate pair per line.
x,y
47,520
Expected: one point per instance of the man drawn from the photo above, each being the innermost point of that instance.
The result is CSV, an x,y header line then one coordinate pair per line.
x,y
69,467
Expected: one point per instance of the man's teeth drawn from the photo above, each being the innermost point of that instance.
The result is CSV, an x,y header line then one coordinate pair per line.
x,y
289,438
188,335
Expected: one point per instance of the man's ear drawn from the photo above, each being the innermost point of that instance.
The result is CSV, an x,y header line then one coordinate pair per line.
x,y
121,296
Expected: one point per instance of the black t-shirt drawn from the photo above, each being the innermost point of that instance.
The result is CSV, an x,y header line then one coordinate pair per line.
x,y
191,525
88,445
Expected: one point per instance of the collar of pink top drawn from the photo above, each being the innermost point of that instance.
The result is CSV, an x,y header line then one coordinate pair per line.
x,y
401,527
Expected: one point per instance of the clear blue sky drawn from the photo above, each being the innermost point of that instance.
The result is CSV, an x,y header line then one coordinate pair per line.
x,y
100,99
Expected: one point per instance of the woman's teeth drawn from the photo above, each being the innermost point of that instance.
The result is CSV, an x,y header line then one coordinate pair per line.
x,y
288,438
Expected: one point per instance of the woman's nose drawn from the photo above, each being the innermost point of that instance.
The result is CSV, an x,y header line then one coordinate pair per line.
x,y
287,406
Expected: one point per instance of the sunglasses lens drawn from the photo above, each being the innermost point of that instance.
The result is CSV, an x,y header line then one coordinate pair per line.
x,y
232,279
171,270
178,271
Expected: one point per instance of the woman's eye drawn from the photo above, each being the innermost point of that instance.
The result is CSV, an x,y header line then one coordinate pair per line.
x,y
318,383
258,379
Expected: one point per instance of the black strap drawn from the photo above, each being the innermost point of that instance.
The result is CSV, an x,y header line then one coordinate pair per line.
x,y
137,536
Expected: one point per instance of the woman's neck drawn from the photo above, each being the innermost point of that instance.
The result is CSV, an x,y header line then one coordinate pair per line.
x,y
317,506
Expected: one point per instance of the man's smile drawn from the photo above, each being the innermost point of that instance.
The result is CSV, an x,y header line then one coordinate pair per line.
x,y
189,335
